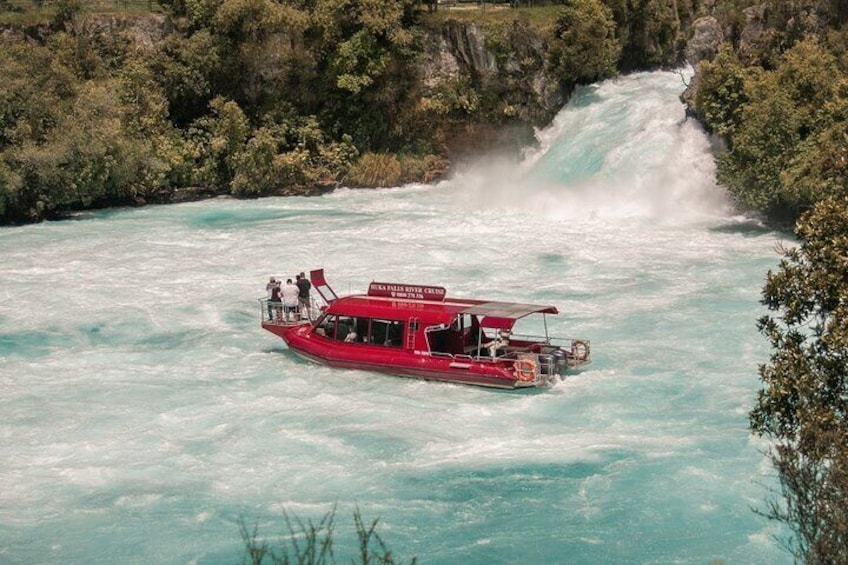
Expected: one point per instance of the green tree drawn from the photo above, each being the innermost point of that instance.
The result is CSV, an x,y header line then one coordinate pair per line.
x,y
186,68
366,49
35,91
783,128
803,405
650,32
9,186
585,48
761,147
258,38
721,95
216,142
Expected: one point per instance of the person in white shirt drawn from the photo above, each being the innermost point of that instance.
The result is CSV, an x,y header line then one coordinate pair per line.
x,y
290,294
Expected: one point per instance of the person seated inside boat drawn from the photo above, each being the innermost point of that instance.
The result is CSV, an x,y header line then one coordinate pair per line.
x,y
346,330
327,327
497,346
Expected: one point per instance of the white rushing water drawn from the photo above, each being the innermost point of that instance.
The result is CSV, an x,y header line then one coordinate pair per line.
x,y
144,411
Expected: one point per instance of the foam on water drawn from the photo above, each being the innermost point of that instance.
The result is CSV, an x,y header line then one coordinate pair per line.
x,y
145,411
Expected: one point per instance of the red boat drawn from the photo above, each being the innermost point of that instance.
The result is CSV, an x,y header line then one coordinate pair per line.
x,y
417,331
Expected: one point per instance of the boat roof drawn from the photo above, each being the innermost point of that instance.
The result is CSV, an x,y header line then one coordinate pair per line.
x,y
492,314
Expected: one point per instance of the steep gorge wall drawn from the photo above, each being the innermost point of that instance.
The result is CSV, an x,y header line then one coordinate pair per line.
x,y
503,81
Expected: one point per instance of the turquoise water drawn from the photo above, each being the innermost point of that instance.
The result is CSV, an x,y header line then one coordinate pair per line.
x,y
144,412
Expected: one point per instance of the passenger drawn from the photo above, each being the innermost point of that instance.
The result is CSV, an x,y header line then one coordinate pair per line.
x,y
290,299
269,289
273,288
304,299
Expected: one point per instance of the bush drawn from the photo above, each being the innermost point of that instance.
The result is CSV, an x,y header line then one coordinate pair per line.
x,y
375,170
585,48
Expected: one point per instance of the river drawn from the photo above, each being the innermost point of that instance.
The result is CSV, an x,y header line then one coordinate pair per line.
x,y
145,412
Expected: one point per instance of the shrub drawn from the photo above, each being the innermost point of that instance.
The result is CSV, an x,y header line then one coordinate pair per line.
x,y
375,170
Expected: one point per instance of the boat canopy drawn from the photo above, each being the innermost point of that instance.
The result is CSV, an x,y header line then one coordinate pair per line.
x,y
496,315
502,315
508,310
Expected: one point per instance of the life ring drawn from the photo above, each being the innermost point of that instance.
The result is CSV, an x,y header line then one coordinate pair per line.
x,y
579,350
525,370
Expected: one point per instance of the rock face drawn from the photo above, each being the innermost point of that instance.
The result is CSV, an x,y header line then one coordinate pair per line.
x,y
466,45
143,31
460,52
707,37
510,86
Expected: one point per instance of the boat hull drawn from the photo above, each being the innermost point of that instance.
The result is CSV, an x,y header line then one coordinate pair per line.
x,y
396,362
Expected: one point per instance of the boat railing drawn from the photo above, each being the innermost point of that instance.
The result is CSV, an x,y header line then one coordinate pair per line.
x,y
464,357
577,350
273,312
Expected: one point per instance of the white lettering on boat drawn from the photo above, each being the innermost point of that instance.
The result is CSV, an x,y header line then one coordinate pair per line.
x,y
407,291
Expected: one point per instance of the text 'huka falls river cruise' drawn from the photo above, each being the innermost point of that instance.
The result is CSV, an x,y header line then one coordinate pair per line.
x,y
417,331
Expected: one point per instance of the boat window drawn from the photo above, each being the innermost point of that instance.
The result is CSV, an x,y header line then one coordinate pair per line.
x,y
327,326
387,332
466,321
363,329
346,330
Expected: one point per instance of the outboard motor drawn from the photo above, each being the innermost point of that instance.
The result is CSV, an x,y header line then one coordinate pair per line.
x,y
547,364
560,360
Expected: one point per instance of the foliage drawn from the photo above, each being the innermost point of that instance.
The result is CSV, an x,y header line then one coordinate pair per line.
x,y
35,91
762,146
384,170
217,141
803,406
373,169
308,543
650,32
185,68
721,95
585,48
369,76
281,156
67,11
784,128
453,98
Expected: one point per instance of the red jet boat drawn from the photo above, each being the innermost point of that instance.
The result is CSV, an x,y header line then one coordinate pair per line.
x,y
417,331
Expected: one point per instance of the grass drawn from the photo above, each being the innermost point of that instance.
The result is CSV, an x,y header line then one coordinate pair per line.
x,y
308,543
538,17
33,12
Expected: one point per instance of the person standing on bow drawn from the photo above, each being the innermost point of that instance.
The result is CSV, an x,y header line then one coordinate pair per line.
x,y
273,289
304,299
290,294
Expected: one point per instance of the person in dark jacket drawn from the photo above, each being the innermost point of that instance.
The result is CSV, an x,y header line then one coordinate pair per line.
x,y
274,297
303,297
